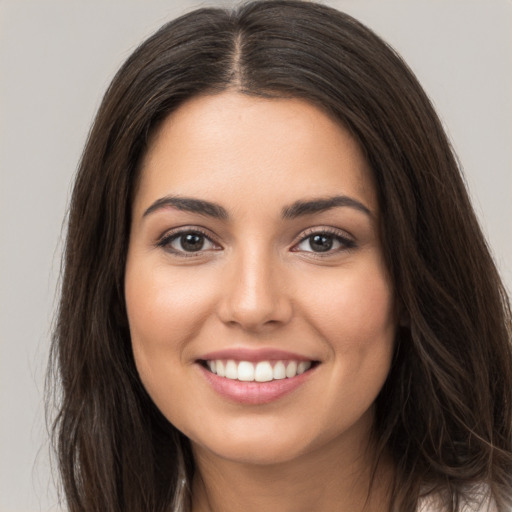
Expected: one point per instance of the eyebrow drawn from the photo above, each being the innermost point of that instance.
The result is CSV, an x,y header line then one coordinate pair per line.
x,y
189,204
300,208
296,209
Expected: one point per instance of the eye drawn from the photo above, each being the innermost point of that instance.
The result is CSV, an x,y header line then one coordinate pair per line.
x,y
324,242
187,242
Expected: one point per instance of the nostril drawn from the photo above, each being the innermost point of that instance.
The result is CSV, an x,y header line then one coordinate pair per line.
x,y
255,315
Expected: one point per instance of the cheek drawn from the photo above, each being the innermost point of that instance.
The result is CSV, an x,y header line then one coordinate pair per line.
x,y
164,311
354,316
165,308
353,306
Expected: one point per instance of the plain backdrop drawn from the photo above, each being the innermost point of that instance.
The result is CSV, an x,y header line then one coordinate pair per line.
x,y
57,58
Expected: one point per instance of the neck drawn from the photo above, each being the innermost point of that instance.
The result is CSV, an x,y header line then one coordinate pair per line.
x,y
332,478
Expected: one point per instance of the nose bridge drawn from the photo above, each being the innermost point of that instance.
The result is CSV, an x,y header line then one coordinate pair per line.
x,y
256,294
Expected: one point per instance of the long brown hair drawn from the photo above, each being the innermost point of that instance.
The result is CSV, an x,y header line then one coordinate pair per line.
x,y
445,412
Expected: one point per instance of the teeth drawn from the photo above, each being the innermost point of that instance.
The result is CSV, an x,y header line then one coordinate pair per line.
x,y
245,371
262,371
219,368
231,370
279,370
302,367
291,369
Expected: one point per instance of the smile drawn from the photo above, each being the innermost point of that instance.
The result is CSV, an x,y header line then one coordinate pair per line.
x,y
262,371
258,377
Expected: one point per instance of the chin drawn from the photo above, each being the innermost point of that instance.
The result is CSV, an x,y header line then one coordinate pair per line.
x,y
255,452
260,442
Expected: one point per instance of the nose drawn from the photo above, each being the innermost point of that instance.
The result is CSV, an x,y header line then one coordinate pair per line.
x,y
256,295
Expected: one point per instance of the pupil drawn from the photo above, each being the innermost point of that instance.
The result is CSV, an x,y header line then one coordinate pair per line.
x,y
321,243
192,242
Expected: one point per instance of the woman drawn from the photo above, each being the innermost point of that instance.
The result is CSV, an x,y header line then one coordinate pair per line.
x,y
276,294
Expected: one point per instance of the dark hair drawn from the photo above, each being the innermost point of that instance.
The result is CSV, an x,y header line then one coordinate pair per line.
x,y
445,412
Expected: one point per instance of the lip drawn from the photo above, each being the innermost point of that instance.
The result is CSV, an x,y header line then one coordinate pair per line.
x,y
254,355
253,393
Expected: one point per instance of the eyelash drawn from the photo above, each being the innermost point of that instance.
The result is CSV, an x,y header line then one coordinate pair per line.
x,y
169,237
346,242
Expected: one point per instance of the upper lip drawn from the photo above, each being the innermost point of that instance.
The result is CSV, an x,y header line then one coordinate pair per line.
x,y
253,355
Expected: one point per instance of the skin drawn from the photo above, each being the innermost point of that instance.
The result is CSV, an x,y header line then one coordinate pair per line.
x,y
260,284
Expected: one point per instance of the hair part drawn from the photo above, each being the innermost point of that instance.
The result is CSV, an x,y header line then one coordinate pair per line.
x,y
444,414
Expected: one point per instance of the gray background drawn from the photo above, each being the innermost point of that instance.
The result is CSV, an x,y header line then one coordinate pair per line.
x,y
56,59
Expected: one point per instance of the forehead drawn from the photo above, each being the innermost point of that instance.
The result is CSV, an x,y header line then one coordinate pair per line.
x,y
234,148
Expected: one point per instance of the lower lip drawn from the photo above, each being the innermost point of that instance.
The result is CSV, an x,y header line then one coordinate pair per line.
x,y
253,393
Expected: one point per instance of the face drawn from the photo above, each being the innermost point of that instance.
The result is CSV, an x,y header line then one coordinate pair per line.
x,y
260,309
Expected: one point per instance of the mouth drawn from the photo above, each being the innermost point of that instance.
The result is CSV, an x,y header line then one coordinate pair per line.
x,y
256,376
257,371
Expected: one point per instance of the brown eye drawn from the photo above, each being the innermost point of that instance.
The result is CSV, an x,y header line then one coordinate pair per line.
x,y
321,243
191,242
324,242
187,242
